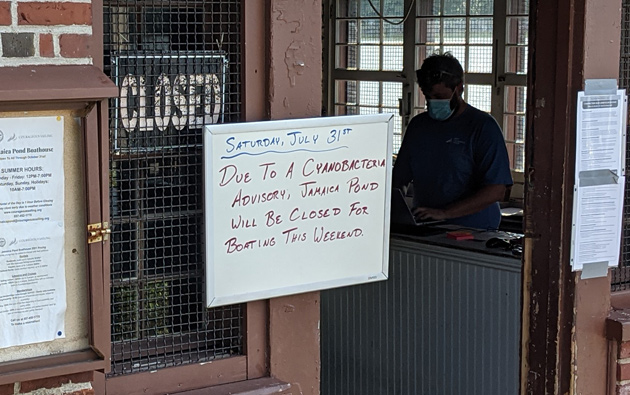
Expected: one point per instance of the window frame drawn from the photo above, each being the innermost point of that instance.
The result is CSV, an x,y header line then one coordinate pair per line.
x,y
411,102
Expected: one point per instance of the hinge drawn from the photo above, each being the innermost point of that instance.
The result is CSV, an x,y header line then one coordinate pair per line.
x,y
98,232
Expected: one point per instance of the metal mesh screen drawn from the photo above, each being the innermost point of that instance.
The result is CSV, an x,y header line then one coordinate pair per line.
x,y
178,66
620,278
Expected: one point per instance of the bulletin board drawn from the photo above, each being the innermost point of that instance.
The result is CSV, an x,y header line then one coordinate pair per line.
x,y
42,239
293,206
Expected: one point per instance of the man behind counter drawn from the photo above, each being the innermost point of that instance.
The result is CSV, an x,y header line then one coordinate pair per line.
x,y
454,153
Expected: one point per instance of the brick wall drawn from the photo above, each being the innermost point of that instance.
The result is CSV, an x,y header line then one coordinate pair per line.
x,y
76,384
623,368
36,32
618,334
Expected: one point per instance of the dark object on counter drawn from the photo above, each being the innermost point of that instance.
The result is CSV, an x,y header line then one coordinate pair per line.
x,y
497,242
514,245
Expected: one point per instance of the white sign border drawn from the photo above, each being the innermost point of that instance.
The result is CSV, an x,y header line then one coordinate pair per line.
x,y
212,300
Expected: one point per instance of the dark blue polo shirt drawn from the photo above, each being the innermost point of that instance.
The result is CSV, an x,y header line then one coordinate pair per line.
x,y
450,160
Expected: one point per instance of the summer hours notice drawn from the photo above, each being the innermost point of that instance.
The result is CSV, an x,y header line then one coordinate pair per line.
x,y
32,274
308,203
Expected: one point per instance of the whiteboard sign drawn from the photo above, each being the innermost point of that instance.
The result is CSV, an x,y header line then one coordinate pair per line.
x,y
294,206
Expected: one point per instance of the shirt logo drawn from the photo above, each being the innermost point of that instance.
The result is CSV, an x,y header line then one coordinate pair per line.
x,y
455,140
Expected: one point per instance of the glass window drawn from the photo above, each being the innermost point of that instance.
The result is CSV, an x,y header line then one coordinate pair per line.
x,y
491,47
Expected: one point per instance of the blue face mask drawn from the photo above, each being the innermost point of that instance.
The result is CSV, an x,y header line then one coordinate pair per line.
x,y
440,109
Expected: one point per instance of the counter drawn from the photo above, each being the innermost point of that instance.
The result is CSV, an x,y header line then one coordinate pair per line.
x,y
446,321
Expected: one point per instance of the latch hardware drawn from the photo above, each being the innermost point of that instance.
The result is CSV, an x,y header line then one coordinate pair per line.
x,y
98,232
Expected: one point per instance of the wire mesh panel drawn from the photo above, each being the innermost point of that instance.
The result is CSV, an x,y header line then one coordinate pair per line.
x,y
178,67
620,279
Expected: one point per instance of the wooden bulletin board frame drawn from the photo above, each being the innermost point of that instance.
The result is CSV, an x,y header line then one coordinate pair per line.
x,y
78,93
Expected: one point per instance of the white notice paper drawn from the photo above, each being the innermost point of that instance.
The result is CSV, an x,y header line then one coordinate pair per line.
x,y
599,179
32,277
597,227
600,121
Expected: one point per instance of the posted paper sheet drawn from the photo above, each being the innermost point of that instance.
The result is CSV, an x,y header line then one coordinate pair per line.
x,y
32,276
599,179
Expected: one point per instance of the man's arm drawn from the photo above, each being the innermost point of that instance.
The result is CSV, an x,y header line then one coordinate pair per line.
x,y
487,195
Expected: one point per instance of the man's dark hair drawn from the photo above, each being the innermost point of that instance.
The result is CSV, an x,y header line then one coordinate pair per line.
x,y
440,68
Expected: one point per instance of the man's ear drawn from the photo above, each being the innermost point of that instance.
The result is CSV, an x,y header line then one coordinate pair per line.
x,y
460,89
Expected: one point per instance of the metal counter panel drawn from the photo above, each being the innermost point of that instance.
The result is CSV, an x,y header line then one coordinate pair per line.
x,y
446,322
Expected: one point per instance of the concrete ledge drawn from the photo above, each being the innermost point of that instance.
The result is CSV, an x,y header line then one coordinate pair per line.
x,y
262,386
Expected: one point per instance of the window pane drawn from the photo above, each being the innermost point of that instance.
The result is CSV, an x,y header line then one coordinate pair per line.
x,y
368,110
370,97
480,60
515,99
520,7
393,58
428,31
479,96
369,93
365,9
392,34
428,8
347,57
516,153
454,31
480,31
454,7
392,92
514,124
369,57
347,8
481,7
516,61
346,92
517,29
347,32
514,128
459,52
370,31
393,8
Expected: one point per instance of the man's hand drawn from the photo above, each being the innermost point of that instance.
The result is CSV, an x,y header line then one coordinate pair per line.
x,y
481,199
424,213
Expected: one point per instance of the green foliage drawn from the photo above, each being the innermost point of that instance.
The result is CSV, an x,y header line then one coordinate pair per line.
x,y
124,313
156,309
126,308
